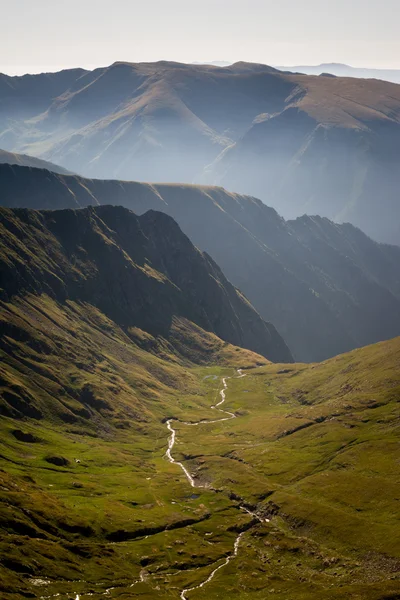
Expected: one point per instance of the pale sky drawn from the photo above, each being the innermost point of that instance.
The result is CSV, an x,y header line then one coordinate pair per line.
x,y
48,35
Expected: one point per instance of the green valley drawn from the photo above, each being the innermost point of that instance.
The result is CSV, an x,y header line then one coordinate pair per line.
x,y
144,454
93,508
86,493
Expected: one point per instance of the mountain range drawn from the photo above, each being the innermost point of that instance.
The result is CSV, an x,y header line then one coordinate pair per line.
x,y
157,437
336,69
327,288
302,144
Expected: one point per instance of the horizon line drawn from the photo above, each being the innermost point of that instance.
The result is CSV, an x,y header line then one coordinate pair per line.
x,y
17,71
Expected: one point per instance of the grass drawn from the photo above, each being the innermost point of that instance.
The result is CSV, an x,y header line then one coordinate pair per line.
x,y
98,403
314,449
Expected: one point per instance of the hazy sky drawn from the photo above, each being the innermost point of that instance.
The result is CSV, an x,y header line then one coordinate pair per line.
x,y
43,35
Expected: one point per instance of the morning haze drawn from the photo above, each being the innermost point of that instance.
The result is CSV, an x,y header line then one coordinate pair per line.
x,y
47,36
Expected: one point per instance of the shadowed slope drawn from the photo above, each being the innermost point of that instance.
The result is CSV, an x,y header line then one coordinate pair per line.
x,y
139,271
319,283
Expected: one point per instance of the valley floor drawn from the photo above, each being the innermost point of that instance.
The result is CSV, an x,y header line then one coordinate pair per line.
x,y
291,491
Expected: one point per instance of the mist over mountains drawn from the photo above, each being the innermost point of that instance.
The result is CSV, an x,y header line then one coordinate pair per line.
x,y
342,70
25,160
332,68
302,144
327,288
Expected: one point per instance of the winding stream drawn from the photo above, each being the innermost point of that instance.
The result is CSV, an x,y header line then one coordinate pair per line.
x,y
172,438
171,444
194,484
226,562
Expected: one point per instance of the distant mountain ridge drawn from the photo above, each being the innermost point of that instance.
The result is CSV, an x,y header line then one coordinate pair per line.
x,y
23,160
300,143
343,70
327,288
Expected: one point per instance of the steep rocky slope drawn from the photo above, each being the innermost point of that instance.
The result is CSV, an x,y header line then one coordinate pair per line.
x,y
303,144
326,287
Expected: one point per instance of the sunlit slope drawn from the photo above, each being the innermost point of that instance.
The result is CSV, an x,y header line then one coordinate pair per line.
x,y
82,445
316,448
92,506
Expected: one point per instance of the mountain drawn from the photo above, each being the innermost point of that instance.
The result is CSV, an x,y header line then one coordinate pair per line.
x,y
149,121
332,150
302,144
327,288
141,272
24,160
341,70
215,63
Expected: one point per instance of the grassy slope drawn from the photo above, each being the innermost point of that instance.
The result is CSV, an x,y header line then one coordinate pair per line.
x,y
99,399
348,102
316,447
329,489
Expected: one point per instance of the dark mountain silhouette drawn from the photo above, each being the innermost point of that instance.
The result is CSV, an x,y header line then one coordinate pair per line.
x,y
303,144
326,287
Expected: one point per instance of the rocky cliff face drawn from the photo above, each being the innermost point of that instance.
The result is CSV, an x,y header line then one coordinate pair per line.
x,y
141,272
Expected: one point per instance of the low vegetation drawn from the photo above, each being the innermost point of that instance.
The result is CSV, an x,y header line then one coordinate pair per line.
x,y
90,505
83,435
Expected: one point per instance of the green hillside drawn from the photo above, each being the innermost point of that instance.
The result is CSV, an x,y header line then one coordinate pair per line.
x,y
303,480
82,444
316,451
